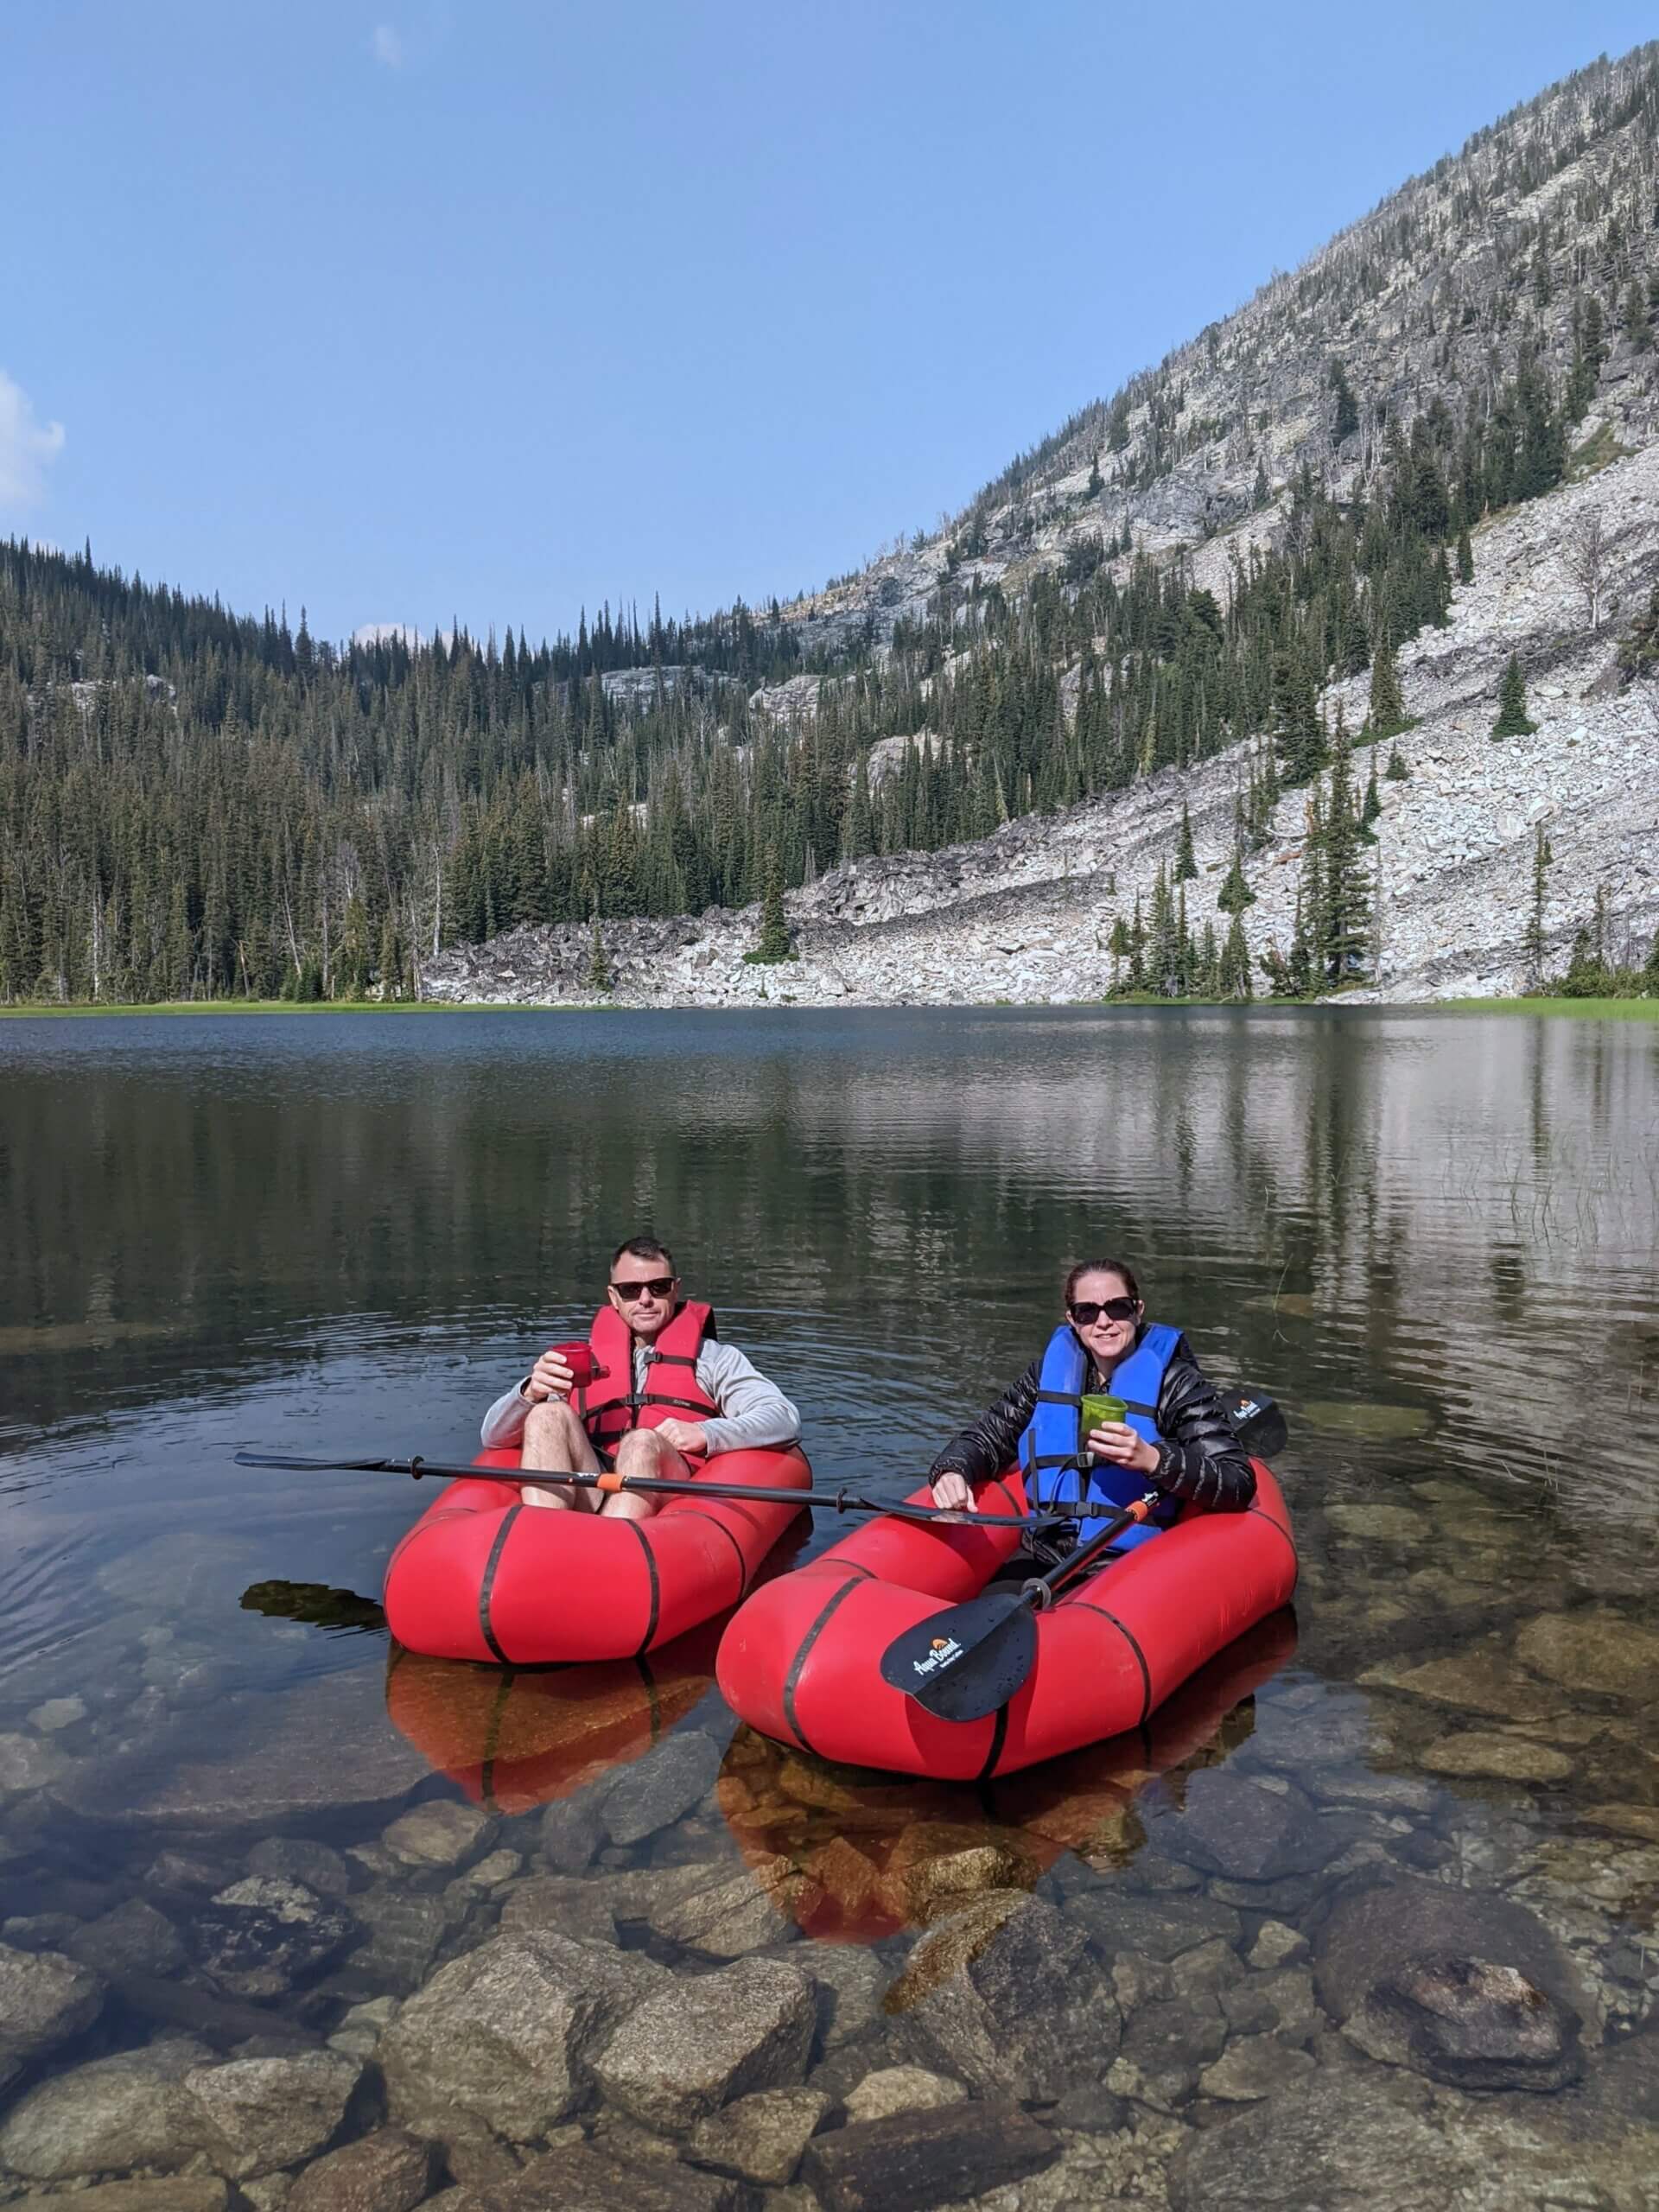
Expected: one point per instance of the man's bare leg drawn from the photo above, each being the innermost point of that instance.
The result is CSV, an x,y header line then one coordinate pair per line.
x,y
642,1452
555,1438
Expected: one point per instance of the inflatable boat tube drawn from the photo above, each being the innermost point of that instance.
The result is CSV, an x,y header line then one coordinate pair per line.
x,y
869,1855
511,1739
801,1660
483,1576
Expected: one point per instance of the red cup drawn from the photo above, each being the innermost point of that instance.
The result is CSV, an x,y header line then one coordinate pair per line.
x,y
579,1358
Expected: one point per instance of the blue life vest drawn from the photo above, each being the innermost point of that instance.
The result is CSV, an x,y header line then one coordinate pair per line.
x,y
1051,1451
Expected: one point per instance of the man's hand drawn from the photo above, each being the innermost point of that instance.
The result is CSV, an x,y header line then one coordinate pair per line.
x,y
1115,1442
683,1435
951,1492
548,1378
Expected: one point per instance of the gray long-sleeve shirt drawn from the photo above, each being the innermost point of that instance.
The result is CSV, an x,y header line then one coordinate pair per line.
x,y
753,1413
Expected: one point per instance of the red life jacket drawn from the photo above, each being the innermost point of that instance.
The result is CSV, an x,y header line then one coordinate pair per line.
x,y
609,1406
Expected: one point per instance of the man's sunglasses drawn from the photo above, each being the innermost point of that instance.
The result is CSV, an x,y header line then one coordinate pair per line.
x,y
658,1286
1087,1311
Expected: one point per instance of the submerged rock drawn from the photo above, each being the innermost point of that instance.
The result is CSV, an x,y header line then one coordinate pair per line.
x,y
178,2193
892,2089
583,2178
134,1938
44,1999
1595,1650
262,1935
1477,1753
1236,1828
1007,1993
702,2040
660,1788
442,1833
110,2114
1253,2067
502,2040
760,2138
387,2171
272,2112
918,2160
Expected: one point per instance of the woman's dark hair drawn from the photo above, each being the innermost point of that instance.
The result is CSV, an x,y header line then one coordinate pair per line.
x,y
644,1247
1101,1268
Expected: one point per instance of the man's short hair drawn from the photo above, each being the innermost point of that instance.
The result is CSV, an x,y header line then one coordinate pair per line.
x,y
643,1248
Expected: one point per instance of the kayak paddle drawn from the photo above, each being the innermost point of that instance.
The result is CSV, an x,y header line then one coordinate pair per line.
x,y
840,1501
966,1662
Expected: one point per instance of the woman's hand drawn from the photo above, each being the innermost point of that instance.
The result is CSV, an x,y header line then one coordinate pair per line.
x,y
951,1493
1115,1442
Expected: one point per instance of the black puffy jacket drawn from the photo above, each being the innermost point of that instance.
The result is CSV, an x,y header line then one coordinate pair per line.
x,y
1199,1457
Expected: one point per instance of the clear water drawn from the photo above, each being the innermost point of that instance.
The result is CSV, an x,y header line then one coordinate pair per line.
x,y
1433,1237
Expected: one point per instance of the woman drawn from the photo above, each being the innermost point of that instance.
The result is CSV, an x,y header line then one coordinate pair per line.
x,y
1177,1439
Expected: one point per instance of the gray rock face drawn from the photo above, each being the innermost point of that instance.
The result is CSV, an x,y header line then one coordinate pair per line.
x,y
44,1999
111,2115
1007,1994
273,2112
387,2171
263,1936
700,2042
502,2038
918,2160
1461,1984
659,1788
1234,1827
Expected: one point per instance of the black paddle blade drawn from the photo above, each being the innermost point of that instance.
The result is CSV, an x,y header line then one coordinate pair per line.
x,y
1256,1421
963,1664
320,1466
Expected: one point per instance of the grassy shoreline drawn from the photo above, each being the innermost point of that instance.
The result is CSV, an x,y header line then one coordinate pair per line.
x,y
45,1010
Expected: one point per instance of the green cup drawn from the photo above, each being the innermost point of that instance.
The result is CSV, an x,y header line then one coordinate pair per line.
x,y
1098,1408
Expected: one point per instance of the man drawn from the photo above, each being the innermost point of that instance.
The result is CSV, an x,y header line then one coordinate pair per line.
x,y
666,1394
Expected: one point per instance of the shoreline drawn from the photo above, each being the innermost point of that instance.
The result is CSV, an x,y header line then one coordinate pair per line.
x,y
44,1010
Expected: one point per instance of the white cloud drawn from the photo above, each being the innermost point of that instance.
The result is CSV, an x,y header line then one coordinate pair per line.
x,y
28,448
387,46
381,633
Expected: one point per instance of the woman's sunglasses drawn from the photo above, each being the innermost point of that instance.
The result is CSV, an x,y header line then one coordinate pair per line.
x,y
658,1286
1087,1311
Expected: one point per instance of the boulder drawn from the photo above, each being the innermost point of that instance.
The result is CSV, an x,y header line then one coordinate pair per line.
x,y
178,2193
562,1904
273,2112
44,1999
502,2038
584,2177
734,1915
1007,1993
1153,1927
705,2039
661,1787
296,1859
760,2138
571,1833
134,1938
1463,1985
1165,2048
915,2160
27,1763
1238,1829
109,2115
1252,2067
1479,1753
263,1936
387,2171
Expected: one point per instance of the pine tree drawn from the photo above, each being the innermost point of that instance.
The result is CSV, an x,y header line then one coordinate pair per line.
x,y
773,944
1466,555
1261,493
1396,771
1387,717
1186,866
1372,807
1234,975
1512,718
1235,894
1298,732
1541,858
600,978
1342,918
1347,415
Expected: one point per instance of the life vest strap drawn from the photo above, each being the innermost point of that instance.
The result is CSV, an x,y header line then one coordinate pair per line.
x,y
654,1398
1058,1398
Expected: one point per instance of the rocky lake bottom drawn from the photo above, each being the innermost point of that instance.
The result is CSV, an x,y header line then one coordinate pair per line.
x,y
293,1919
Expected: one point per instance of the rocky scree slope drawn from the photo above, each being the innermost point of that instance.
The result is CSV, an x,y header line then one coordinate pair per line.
x,y
1026,915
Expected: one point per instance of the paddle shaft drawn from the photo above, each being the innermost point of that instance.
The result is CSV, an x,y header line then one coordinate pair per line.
x,y
839,1500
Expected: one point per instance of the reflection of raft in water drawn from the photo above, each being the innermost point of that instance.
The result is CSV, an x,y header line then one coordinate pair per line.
x,y
801,1660
482,1576
512,1740
855,1856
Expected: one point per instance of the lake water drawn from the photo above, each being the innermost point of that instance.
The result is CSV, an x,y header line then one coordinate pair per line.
x,y
1433,1237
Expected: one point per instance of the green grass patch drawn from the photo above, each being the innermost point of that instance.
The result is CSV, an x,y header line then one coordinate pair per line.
x,y
1599,450
1604,1010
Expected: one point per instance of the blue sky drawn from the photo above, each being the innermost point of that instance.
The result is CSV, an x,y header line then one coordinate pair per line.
x,y
423,310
